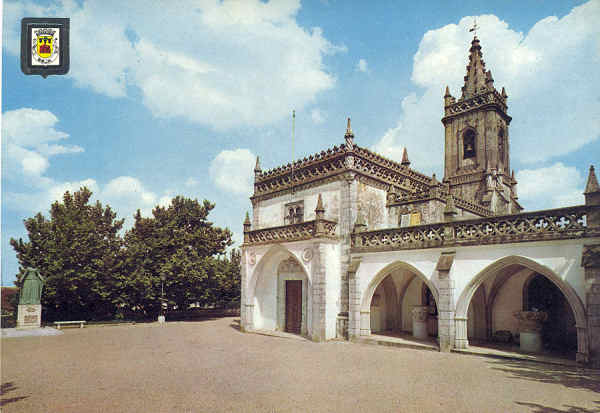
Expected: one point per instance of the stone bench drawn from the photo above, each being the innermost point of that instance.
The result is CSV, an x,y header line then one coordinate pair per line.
x,y
60,323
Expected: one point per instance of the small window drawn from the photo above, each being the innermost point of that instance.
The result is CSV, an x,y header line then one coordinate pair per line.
x,y
469,144
294,213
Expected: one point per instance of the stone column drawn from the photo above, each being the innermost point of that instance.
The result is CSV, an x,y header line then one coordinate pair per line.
x,y
460,340
245,319
354,299
582,355
348,206
446,309
365,323
590,261
319,292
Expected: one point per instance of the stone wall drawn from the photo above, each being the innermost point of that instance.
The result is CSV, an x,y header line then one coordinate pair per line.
x,y
271,211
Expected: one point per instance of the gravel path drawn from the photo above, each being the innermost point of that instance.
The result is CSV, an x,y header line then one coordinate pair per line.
x,y
210,366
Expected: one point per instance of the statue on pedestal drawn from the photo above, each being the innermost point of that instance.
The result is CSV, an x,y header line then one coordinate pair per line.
x,y
30,294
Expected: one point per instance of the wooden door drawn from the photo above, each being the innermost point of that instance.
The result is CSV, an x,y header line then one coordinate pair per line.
x,y
293,306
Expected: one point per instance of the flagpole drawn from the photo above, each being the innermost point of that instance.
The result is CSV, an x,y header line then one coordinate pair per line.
x,y
293,137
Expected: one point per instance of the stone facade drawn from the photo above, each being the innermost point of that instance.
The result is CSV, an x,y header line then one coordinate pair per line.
x,y
373,239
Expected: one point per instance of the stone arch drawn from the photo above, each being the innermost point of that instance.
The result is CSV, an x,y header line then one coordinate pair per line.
x,y
368,294
569,293
262,299
469,143
272,254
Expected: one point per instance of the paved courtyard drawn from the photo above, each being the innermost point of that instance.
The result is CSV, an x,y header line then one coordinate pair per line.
x,y
210,366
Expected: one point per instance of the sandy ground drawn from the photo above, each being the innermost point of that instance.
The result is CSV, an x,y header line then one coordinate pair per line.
x,y
210,366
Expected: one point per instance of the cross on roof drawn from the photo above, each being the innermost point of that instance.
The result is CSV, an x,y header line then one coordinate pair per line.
x,y
475,27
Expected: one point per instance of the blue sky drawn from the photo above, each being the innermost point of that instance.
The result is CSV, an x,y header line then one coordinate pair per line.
x,y
179,98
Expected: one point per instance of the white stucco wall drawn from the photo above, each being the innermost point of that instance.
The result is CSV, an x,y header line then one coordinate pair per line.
x,y
378,311
412,298
509,300
261,287
371,202
265,301
271,211
563,258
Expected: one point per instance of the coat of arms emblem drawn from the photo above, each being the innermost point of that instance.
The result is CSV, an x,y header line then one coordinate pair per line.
x,y
45,46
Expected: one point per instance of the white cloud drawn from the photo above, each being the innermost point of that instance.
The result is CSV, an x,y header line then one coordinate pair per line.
x,y
362,66
550,187
26,144
317,116
231,171
550,76
191,182
26,134
224,64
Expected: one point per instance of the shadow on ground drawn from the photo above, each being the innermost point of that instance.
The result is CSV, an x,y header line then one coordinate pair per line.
x,y
235,324
538,408
6,388
572,377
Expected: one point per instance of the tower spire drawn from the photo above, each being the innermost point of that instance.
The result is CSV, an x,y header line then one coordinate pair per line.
x,y
349,136
477,78
405,161
592,182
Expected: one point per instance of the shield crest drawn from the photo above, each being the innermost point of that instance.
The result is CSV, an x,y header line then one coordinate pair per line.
x,y
44,46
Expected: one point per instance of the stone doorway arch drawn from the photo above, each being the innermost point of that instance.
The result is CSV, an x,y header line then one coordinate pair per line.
x,y
397,288
515,261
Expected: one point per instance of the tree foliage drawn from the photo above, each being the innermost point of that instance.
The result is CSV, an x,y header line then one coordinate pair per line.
x,y
93,272
173,252
79,252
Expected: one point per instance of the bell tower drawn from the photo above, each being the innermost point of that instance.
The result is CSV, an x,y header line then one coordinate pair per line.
x,y
477,158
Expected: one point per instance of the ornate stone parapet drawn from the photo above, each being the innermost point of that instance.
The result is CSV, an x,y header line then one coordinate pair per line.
x,y
562,223
489,98
294,232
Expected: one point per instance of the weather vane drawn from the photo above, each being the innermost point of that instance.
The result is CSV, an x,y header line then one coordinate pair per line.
x,y
474,28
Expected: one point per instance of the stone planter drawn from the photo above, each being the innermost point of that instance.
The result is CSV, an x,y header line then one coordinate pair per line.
x,y
419,322
530,330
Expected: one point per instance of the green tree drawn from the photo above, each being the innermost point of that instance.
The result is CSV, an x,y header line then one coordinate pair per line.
x,y
173,250
227,292
79,253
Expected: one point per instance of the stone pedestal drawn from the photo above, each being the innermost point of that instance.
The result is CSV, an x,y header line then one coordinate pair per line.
x,y
530,330
419,322
342,326
29,316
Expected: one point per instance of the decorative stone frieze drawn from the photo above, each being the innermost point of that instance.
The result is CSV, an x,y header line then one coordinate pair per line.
x,y
295,232
562,223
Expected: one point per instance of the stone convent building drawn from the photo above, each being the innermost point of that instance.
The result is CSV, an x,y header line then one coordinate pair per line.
x,y
350,245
